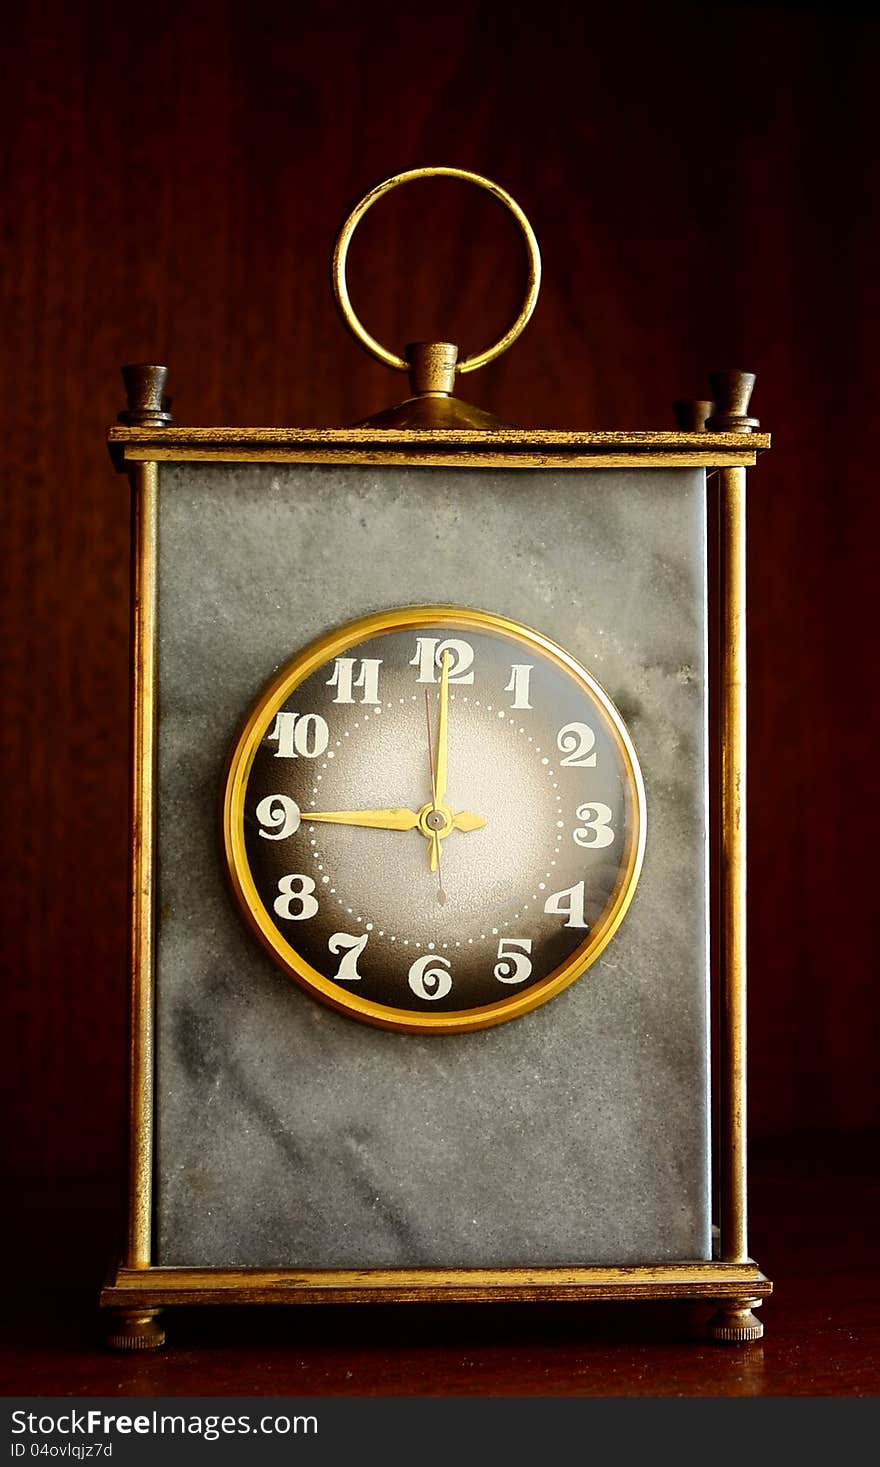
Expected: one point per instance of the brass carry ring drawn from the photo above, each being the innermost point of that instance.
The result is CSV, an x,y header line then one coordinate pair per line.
x,y
340,255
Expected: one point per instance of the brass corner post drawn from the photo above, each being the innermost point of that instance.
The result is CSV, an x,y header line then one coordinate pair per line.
x,y
693,413
734,1322
147,407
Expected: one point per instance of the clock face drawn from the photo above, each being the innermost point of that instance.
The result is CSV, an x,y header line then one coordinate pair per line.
x,y
434,819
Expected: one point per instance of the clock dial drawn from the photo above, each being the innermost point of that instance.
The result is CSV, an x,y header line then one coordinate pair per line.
x,y
434,819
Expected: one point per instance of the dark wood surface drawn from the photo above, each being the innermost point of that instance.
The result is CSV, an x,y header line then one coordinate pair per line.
x,y
703,181
816,1214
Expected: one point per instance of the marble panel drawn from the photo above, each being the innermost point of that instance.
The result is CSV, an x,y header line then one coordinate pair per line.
x,y
288,1135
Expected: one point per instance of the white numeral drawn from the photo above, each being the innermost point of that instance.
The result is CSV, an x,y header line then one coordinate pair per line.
x,y
278,816
299,733
429,654
343,678
516,966
351,947
301,894
568,903
576,740
596,830
427,980
520,673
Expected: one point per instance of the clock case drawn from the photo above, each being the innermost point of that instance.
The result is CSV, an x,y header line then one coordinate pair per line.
x,y
137,1290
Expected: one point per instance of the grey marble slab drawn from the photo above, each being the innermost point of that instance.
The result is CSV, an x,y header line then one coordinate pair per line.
x,y
288,1135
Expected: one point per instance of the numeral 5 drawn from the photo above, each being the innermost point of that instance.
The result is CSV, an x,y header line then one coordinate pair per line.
x,y
515,966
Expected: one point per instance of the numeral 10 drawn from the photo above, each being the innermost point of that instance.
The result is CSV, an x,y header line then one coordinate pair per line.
x,y
299,733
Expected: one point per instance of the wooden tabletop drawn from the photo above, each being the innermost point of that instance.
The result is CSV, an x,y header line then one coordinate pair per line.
x,y
815,1216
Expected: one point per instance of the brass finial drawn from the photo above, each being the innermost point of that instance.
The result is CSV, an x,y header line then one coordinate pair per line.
x,y
732,391
432,367
693,413
148,407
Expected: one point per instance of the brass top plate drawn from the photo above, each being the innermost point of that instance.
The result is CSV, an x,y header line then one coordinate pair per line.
x,y
524,447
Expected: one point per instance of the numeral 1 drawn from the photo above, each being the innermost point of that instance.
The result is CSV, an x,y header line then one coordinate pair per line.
x,y
520,675
343,678
429,652
568,903
299,733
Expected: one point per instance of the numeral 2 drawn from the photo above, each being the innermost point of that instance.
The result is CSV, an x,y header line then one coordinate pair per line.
x,y
575,740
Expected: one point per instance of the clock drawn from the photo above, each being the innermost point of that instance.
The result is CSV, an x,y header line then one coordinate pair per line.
x,y
437,942
434,819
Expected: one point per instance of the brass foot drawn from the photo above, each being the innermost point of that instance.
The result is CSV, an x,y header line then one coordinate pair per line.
x,y
135,1329
734,1323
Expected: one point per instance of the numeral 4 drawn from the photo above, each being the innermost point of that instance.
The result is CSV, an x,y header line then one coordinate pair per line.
x,y
429,654
516,965
299,733
568,903
351,948
343,678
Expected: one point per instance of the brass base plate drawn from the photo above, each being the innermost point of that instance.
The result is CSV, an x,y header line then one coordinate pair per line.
x,y
147,1288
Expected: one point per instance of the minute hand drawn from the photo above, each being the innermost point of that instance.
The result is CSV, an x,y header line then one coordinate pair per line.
x,y
396,819
442,721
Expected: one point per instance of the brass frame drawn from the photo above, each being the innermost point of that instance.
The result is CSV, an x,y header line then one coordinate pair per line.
x,y
272,697
136,1290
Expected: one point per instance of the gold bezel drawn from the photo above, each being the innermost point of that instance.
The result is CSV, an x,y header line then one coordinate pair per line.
x,y
285,681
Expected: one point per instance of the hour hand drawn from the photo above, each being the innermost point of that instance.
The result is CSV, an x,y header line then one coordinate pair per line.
x,y
396,819
467,821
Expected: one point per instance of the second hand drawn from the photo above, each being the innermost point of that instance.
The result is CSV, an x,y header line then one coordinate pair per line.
x,y
441,894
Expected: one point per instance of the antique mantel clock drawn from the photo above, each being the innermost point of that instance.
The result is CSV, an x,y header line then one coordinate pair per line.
x,y
426,1003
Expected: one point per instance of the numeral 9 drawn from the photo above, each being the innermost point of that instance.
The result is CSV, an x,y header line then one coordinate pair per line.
x,y
279,817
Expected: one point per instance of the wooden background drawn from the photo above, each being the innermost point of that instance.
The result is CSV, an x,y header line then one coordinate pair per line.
x,y
703,183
